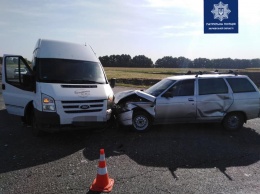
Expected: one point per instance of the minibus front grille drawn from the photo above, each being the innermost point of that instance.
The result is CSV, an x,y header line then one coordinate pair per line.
x,y
90,106
82,111
83,106
82,101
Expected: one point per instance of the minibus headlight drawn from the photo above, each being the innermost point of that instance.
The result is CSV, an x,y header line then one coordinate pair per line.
x,y
48,103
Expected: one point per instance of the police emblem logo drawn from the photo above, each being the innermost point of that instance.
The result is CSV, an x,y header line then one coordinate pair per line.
x,y
220,11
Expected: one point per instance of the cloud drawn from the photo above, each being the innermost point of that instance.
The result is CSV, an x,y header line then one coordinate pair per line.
x,y
184,25
249,12
187,29
189,5
180,34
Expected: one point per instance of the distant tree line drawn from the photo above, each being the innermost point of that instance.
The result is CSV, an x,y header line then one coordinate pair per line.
x,y
180,62
126,61
225,63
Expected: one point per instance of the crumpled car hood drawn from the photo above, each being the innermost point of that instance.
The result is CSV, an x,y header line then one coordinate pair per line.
x,y
121,95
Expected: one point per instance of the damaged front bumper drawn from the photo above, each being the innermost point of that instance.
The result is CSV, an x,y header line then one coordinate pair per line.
x,y
128,101
125,118
125,115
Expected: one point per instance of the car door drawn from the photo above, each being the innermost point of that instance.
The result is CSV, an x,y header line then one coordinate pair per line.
x,y
16,84
177,104
214,98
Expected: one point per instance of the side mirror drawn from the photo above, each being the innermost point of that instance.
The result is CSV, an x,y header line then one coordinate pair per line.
x,y
113,82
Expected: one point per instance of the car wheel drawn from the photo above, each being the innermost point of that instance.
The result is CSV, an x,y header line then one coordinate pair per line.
x,y
141,121
36,128
233,121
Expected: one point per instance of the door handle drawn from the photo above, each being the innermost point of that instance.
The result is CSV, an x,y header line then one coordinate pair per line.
x,y
190,99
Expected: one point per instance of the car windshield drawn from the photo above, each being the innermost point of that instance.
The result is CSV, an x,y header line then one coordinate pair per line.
x,y
70,71
159,87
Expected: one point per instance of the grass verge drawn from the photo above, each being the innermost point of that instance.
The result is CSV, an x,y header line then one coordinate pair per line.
x,y
145,77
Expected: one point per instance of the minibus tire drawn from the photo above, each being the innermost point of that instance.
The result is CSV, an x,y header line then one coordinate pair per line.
x,y
36,129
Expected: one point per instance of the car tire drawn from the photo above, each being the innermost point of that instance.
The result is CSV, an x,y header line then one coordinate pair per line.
x,y
141,121
233,121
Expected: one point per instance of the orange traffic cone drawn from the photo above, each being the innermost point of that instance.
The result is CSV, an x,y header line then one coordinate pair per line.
x,y
102,182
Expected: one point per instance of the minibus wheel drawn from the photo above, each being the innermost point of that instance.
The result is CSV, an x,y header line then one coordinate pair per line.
x,y
36,129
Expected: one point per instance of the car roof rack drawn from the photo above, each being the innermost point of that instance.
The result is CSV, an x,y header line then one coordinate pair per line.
x,y
211,72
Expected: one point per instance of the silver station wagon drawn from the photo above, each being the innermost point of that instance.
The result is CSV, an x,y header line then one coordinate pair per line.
x,y
229,99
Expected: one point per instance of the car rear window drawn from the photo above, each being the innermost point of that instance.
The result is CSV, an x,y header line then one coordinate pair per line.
x,y
240,85
212,86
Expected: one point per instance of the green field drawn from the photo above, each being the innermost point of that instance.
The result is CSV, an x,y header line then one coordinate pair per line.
x,y
159,73
121,73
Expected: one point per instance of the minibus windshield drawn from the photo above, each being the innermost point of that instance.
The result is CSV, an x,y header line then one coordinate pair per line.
x,y
69,71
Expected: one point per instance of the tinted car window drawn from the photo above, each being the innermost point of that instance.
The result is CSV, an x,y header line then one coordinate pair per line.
x,y
239,85
183,88
212,86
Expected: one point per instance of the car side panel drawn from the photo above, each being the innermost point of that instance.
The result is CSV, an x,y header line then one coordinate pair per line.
x,y
247,103
214,106
176,109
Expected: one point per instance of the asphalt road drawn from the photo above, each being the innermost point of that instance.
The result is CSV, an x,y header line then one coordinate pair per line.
x,y
184,158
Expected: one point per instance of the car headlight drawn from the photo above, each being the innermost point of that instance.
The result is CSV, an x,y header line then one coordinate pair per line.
x,y
48,103
110,101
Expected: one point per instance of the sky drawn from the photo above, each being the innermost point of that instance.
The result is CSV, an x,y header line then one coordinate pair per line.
x,y
154,28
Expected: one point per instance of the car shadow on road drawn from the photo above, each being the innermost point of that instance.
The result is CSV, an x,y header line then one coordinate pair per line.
x,y
19,149
170,146
181,146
